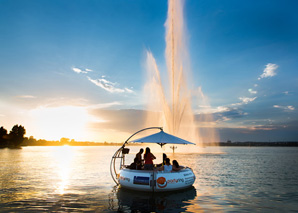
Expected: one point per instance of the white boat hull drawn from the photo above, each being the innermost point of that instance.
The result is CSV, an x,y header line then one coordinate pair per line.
x,y
157,181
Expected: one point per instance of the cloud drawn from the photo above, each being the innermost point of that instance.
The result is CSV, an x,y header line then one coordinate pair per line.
x,y
279,131
78,70
221,109
231,113
225,113
103,83
123,120
63,101
209,110
109,86
105,105
219,114
285,108
251,91
269,71
26,96
245,100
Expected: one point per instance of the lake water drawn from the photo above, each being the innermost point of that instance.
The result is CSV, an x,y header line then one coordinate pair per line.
x,y
77,179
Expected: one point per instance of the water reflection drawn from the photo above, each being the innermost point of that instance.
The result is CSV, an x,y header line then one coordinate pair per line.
x,y
133,201
77,179
62,160
9,170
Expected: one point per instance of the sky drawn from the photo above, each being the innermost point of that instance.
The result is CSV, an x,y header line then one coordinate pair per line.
x,y
76,69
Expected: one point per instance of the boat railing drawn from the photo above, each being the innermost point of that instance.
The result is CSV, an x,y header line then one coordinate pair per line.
x,y
120,154
182,168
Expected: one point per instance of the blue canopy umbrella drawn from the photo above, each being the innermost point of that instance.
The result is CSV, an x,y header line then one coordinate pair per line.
x,y
162,138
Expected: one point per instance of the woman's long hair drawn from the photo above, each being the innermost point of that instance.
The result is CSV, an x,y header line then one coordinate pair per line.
x,y
175,163
167,161
164,156
147,152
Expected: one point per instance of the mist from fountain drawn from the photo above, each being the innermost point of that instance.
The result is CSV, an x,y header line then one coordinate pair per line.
x,y
169,102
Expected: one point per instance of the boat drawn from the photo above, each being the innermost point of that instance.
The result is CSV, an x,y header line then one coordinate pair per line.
x,y
151,180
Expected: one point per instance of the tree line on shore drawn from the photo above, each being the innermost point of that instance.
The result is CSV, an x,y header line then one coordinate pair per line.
x,y
14,138
31,141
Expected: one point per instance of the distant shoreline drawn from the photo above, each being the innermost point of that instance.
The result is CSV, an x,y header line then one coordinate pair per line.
x,y
286,144
230,144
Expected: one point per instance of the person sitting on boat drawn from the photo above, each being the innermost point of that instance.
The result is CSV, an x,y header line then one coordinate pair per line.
x,y
134,165
139,157
148,157
175,166
164,156
167,167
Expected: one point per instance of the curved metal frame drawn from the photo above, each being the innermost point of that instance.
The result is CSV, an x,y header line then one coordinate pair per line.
x,y
119,154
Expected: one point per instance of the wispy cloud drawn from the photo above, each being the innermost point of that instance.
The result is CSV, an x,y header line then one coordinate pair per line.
x,y
210,110
26,96
78,70
226,113
221,114
285,108
119,120
260,127
103,83
109,86
269,71
251,91
105,105
244,100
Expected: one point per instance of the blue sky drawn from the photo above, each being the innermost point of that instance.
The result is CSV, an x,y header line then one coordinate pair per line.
x,y
76,68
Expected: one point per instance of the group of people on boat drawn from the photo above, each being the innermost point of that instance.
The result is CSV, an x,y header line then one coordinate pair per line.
x,y
146,163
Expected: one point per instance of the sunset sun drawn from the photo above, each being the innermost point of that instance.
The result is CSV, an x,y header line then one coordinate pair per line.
x,y
57,122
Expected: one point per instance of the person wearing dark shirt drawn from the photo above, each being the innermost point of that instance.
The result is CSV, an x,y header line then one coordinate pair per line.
x,y
134,165
139,157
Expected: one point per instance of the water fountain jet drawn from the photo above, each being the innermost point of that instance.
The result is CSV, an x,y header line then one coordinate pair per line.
x,y
170,106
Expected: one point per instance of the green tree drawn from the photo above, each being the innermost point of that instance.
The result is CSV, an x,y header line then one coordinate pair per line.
x,y
3,137
16,135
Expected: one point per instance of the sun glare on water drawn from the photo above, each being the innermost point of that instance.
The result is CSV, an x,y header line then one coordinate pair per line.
x,y
56,122
63,157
